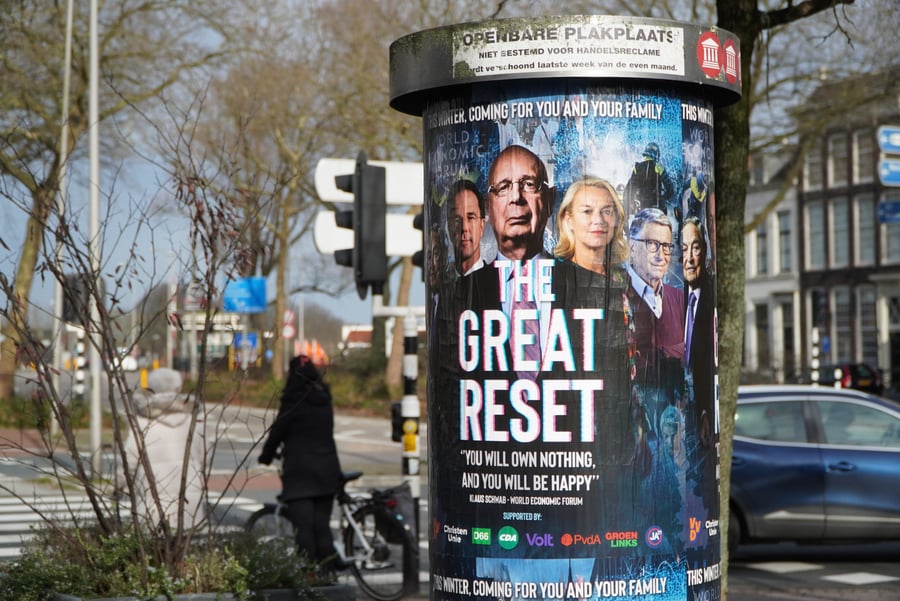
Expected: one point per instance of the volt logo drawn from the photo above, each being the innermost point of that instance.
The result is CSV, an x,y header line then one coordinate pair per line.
x,y
539,540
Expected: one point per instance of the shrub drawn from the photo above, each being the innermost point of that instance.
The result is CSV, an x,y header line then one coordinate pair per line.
x,y
110,566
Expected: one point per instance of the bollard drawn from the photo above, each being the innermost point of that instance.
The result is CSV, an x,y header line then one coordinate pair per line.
x,y
409,412
569,224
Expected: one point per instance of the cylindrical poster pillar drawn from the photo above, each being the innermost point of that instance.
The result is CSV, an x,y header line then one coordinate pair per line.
x,y
569,210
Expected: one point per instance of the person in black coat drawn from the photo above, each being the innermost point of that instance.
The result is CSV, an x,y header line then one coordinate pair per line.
x,y
311,474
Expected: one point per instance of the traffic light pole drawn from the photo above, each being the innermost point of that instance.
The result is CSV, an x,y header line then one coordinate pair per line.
x,y
409,416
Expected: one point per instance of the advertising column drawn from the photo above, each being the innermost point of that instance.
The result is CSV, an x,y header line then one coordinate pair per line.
x,y
570,269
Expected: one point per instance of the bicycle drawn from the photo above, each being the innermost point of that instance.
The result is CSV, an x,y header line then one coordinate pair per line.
x,y
377,529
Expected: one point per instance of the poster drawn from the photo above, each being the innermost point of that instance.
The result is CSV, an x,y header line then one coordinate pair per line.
x,y
573,421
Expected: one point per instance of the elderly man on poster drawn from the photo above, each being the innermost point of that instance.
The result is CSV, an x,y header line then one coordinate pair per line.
x,y
658,307
519,202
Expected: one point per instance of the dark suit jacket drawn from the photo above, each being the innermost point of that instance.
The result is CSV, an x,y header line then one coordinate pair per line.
x,y
702,357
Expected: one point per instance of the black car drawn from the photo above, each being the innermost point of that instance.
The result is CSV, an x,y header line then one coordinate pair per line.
x,y
814,464
859,376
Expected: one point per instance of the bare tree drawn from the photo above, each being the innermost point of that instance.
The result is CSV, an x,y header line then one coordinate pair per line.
x,y
146,48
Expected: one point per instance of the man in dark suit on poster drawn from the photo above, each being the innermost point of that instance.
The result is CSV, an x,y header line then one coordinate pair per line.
x,y
700,340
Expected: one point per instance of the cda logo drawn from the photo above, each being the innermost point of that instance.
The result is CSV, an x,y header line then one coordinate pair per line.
x,y
508,537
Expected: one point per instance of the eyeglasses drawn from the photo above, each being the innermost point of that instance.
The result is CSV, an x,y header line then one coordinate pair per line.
x,y
527,185
654,245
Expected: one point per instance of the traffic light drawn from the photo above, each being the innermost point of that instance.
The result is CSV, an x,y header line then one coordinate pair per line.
x,y
418,257
76,298
367,220
819,308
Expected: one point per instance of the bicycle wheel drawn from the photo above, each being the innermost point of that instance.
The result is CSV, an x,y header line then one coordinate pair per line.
x,y
267,524
376,563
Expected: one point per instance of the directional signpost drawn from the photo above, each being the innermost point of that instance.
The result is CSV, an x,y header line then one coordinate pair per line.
x,y
889,211
889,172
889,144
403,182
402,239
889,139
404,185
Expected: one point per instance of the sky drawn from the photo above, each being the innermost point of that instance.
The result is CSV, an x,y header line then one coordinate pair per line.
x,y
162,246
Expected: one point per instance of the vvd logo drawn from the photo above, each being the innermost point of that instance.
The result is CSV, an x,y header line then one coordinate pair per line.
x,y
694,528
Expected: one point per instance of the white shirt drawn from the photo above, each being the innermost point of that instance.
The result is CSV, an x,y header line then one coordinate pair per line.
x,y
653,298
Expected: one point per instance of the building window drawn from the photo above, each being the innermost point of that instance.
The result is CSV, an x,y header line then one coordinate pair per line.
x,y
843,322
865,220
812,169
837,160
762,249
785,254
891,233
868,326
840,233
787,320
818,300
815,227
863,156
762,337
757,170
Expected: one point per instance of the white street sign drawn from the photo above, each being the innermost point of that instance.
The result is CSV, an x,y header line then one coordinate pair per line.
x,y
401,238
403,182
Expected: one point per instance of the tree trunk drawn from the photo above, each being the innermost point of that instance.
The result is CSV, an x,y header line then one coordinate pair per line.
x,y
732,143
394,371
281,266
19,302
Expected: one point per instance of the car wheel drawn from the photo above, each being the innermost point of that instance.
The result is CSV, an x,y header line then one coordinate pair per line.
x,y
734,530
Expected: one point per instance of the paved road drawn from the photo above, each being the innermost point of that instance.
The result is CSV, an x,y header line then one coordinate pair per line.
x,y
757,573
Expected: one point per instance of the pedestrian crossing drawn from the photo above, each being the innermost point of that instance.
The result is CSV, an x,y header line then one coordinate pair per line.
x,y
20,515
816,571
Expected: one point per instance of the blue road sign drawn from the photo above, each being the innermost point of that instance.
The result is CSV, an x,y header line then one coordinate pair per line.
x,y
889,211
889,172
889,139
247,295
250,340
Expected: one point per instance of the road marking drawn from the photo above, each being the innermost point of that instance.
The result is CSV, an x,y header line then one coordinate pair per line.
x,y
785,567
860,578
19,517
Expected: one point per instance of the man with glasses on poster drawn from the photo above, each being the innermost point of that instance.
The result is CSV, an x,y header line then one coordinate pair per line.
x,y
519,202
658,307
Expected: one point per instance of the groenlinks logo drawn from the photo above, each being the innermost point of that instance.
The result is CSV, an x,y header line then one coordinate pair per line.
x,y
481,536
508,537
